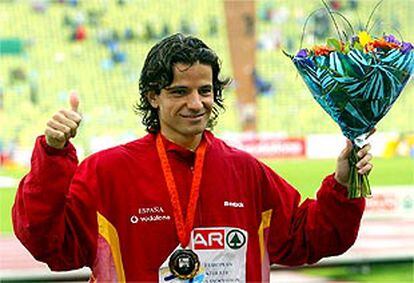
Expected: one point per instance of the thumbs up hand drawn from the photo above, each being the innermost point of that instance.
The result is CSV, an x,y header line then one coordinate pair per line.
x,y
74,101
63,124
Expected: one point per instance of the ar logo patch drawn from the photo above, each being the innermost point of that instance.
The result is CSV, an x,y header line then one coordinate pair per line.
x,y
235,239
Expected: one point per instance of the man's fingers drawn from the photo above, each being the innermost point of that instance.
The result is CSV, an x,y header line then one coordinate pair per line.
x,y
366,169
72,115
74,101
63,124
55,134
67,126
363,151
365,160
62,117
67,131
364,166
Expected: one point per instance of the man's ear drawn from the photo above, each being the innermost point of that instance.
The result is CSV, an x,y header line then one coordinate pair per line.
x,y
153,99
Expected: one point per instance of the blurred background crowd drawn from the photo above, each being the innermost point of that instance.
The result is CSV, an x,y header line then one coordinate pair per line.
x,y
97,48
49,48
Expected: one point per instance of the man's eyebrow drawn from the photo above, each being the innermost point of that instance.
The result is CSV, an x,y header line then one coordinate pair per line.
x,y
174,87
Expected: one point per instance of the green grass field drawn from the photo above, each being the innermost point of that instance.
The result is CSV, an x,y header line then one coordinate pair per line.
x,y
391,272
305,175
107,95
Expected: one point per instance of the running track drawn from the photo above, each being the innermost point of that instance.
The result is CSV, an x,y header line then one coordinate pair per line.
x,y
378,240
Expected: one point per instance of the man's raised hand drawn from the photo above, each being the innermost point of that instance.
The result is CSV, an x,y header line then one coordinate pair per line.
x,y
63,124
364,164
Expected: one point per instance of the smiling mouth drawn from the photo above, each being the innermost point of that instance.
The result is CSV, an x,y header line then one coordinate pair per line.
x,y
193,116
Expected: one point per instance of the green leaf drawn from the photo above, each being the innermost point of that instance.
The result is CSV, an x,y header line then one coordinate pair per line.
x,y
334,43
358,46
347,48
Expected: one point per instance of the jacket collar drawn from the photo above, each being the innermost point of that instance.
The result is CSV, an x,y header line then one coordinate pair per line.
x,y
182,151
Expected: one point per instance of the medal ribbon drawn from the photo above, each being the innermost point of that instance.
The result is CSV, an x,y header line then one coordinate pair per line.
x,y
183,229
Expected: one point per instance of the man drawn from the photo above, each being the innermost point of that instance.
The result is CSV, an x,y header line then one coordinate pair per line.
x,y
177,204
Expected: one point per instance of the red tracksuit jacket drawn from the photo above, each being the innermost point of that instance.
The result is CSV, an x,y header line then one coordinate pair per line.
x,y
113,213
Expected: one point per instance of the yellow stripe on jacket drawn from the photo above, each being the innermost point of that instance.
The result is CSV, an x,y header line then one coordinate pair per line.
x,y
266,217
109,233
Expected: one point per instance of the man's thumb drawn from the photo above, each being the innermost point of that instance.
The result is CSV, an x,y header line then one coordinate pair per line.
x,y
347,150
74,101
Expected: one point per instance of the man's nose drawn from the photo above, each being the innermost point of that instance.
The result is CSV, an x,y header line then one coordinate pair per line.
x,y
194,101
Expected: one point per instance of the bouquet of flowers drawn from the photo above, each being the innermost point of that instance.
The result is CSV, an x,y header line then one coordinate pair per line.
x,y
356,81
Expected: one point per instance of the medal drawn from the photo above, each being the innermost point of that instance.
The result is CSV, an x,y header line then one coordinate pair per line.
x,y
183,263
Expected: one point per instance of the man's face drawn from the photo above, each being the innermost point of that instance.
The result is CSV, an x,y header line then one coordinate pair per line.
x,y
184,107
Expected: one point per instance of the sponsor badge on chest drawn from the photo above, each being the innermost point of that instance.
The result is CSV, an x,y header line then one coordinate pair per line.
x,y
221,252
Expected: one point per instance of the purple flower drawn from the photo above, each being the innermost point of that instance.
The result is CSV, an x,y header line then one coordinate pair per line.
x,y
391,38
303,53
406,47
354,39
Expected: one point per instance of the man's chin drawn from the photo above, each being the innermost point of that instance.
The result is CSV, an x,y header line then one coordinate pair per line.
x,y
195,129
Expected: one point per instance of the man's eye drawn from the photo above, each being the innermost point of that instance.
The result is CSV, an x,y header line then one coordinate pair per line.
x,y
179,91
206,91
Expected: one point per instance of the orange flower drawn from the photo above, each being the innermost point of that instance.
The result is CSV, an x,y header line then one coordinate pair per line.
x,y
380,44
320,50
369,47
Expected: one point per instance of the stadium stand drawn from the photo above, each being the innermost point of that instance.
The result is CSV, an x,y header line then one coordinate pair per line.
x,y
97,48
50,47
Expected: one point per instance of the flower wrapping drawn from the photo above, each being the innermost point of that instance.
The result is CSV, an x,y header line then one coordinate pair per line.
x,y
356,89
356,84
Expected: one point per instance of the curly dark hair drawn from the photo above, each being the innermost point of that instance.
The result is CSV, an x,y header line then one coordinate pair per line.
x,y
157,73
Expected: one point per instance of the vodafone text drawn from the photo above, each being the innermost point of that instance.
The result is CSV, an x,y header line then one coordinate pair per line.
x,y
150,214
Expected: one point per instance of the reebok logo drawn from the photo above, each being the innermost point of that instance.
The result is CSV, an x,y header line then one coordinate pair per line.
x,y
233,204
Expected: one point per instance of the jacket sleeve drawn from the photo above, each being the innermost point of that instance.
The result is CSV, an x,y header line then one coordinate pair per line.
x,y
54,214
306,232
